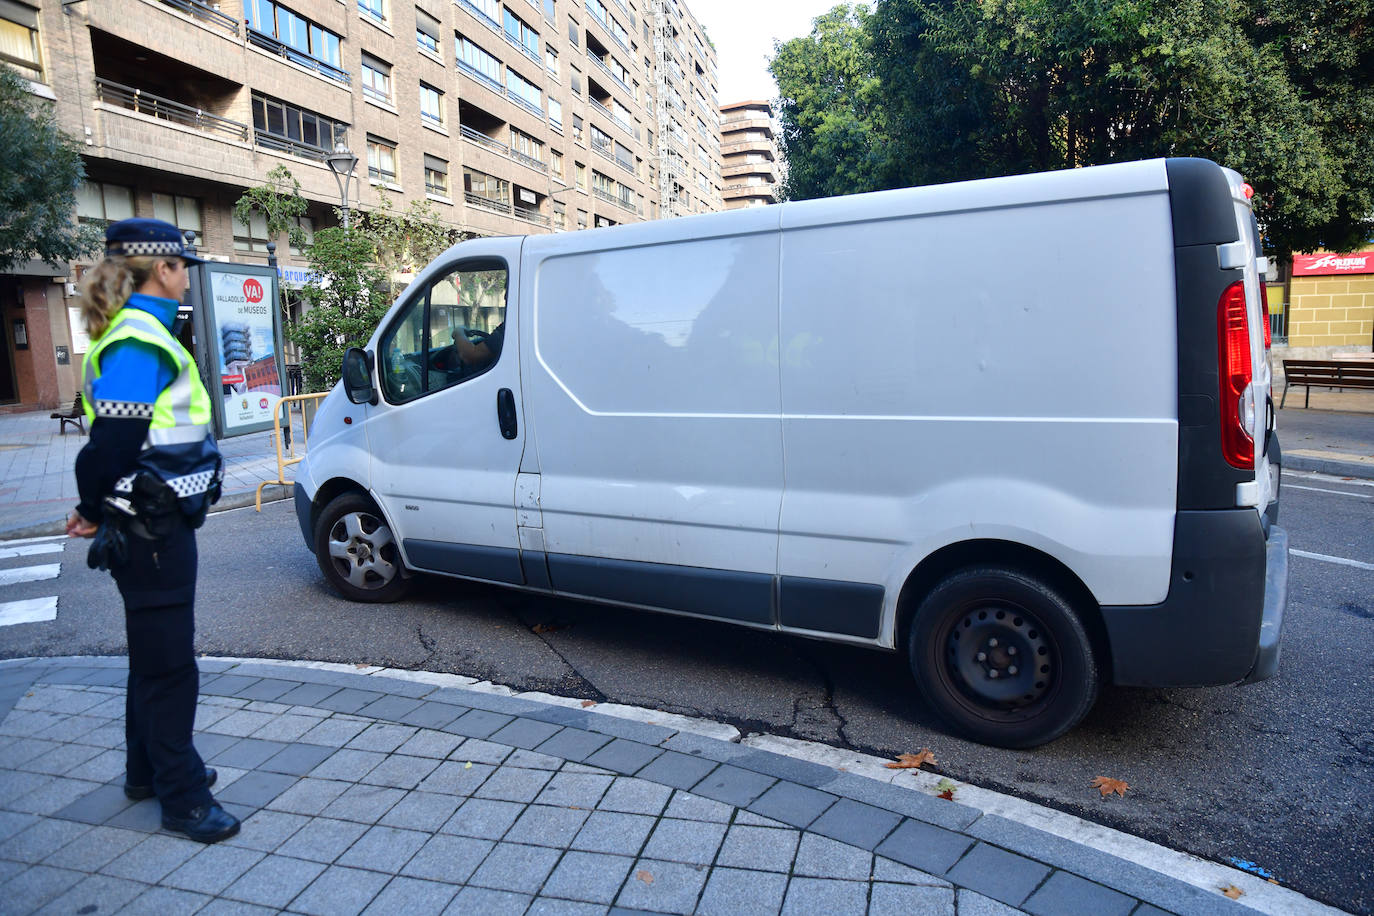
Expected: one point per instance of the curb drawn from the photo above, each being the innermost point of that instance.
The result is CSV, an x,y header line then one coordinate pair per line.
x,y
226,503
1332,466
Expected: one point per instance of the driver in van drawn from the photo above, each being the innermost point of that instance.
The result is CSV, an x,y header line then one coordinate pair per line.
x,y
483,353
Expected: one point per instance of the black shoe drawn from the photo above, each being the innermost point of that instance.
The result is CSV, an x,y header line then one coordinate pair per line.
x,y
206,824
138,793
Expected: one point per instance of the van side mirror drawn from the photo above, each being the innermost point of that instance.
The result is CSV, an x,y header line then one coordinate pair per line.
x,y
357,376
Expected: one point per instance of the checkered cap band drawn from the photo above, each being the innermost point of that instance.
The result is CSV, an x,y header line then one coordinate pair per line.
x,y
192,484
125,484
126,410
143,249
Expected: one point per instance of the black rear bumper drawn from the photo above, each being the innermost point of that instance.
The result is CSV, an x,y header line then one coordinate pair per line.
x,y
1221,621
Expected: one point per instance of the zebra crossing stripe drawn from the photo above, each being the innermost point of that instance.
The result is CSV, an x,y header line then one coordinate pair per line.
x,y
29,573
28,550
34,610
17,541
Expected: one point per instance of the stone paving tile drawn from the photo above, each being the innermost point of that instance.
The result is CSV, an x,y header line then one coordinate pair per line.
x,y
422,811
266,830
674,888
516,867
477,723
534,760
62,759
249,753
514,784
998,874
347,764
400,771
258,789
822,857
545,825
477,750
678,770
446,858
733,892
692,842
241,723
101,768
296,759
430,742
160,901
265,689
340,891
152,860
454,778
18,751
287,727
383,737
525,733
333,732
363,803
145,816
17,785
210,870
51,796
969,903
275,881
349,699
930,849
691,807
1065,893
622,756
97,807
733,786
581,789
483,901
763,848
385,849
483,818
591,877
411,897
95,849
554,906
905,899
309,796
614,832
856,823
235,908
389,707
635,796
42,839
322,839
824,896
892,872
432,715
37,885
307,694
574,744
95,893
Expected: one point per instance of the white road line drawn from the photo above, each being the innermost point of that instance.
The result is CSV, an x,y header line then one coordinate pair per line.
x,y
29,550
1329,478
1294,486
34,610
1325,559
29,573
42,540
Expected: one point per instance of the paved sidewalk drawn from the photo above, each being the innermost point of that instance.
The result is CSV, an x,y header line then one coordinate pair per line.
x,y
387,792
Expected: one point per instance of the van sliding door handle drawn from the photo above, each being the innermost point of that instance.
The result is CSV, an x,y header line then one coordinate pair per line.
x,y
505,412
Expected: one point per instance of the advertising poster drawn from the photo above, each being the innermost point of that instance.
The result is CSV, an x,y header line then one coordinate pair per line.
x,y
244,343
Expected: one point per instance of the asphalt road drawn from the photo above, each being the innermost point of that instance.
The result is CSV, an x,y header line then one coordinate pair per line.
x,y
1279,773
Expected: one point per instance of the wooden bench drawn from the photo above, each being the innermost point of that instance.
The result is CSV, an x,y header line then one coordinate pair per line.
x,y
1325,373
76,416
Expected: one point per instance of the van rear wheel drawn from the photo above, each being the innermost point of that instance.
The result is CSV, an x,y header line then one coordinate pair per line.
x,y
1002,657
357,552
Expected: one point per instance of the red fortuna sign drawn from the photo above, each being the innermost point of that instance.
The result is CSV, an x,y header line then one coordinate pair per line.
x,y
1361,262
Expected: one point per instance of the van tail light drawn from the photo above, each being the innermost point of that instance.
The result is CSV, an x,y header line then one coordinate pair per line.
x,y
1236,375
1264,310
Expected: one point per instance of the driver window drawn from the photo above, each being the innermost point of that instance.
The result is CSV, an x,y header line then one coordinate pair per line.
x,y
450,331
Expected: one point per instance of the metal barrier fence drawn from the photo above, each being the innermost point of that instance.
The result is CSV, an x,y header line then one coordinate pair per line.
x,y
286,456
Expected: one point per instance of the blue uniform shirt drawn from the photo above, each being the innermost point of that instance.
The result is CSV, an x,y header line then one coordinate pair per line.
x,y
134,371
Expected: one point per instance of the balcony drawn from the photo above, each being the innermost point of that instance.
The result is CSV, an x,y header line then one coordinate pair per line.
x,y
607,70
146,103
205,12
629,129
486,81
476,136
291,147
481,17
607,196
531,215
606,27
515,43
271,45
486,203
536,164
528,106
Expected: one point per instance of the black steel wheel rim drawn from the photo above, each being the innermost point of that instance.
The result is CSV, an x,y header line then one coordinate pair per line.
x,y
1000,660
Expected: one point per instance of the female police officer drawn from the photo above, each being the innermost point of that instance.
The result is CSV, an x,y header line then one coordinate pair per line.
x,y
146,478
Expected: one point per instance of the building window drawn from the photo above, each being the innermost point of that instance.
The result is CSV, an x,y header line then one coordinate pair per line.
x,y
270,18
489,8
581,176
436,176
381,159
427,32
474,58
252,237
572,33
19,46
556,163
376,79
307,226
582,219
526,145
549,10
556,113
551,61
524,90
576,81
104,203
284,127
182,212
486,187
431,104
577,128
522,34
374,8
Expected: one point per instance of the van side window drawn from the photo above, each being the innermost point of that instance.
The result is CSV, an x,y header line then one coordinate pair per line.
x,y
451,330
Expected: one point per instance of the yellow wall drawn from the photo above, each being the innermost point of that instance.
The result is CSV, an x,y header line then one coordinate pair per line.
x,y
1331,311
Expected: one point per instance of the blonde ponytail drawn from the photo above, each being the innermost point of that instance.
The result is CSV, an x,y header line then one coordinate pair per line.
x,y
108,285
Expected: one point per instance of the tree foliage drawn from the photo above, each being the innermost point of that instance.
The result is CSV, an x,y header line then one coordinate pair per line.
x,y
279,201
926,91
40,172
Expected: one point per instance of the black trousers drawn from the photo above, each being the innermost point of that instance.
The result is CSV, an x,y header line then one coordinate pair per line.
x,y
158,584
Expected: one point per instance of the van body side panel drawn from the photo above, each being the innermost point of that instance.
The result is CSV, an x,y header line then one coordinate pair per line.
x,y
656,387
472,561
933,391
746,597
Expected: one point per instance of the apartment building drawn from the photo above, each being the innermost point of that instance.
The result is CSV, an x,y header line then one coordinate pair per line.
x,y
749,154
508,116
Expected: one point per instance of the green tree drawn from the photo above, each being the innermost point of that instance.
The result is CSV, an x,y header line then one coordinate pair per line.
x,y
279,201
39,175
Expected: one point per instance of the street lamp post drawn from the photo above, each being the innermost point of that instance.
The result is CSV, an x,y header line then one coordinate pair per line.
x,y
342,162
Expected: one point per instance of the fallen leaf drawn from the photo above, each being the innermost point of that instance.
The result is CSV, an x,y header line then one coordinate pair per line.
x,y
586,704
1232,891
1106,785
947,795
548,627
468,765
644,876
912,761
359,665
947,789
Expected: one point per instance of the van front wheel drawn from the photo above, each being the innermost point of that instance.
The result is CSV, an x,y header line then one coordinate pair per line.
x,y
357,552
1002,657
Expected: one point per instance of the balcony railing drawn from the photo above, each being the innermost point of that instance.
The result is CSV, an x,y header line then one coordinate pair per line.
x,y
477,200
529,161
203,11
476,136
605,149
155,105
605,25
628,128
627,167
482,17
607,70
515,43
607,196
534,216
268,43
528,106
293,147
625,204
486,81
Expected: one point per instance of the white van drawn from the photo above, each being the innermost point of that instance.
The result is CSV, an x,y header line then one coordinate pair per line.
x,y
1018,429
